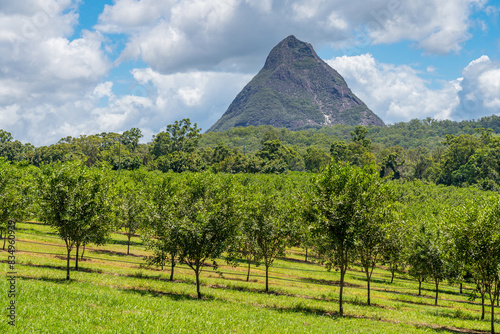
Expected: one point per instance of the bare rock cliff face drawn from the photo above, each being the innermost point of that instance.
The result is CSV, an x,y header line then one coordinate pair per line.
x,y
296,89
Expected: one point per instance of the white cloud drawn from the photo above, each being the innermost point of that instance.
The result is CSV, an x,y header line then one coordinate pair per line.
x,y
436,26
201,96
175,36
480,89
431,69
399,93
9,115
44,76
104,89
395,93
130,15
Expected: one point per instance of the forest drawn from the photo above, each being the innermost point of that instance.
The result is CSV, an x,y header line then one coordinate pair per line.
x,y
428,208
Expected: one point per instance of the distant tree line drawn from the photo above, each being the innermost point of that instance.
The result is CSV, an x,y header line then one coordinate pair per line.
x,y
441,152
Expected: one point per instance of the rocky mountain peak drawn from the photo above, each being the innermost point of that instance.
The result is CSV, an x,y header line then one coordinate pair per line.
x,y
296,89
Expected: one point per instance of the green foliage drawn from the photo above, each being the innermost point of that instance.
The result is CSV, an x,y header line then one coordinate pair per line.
x,y
315,159
279,158
75,201
348,200
178,162
358,136
268,220
476,234
206,210
130,138
5,137
16,195
353,153
427,257
178,137
161,230
130,204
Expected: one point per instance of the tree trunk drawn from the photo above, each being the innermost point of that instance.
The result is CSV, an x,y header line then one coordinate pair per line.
x,y
368,278
419,286
83,251
341,307
461,286
163,260
197,273
76,259
4,238
492,314
67,263
437,292
392,272
128,244
306,254
267,278
482,306
172,268
248,272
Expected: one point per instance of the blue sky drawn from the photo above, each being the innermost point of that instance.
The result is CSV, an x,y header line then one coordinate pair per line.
x,y
73,67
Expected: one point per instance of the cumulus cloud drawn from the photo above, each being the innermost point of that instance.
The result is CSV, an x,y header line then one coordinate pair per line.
x,y
395,93
399,93
201,96
480,89
174,36
45,76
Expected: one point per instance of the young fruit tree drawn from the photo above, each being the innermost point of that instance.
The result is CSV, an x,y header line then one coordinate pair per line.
x,y
206,210
130,205
346,199
372,229
477,242
74,201
162,226
15,195
427,257
268,221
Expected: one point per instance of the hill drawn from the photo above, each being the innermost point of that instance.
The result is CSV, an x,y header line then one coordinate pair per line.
x,y
296,89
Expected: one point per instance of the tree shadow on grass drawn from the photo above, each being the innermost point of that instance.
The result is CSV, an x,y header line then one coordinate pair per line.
x,y
330,282
47,279
105,251
170,295
33,223
72,269
290,259
300,307
429,298
373,280
355,301
125,242
445,329
307,310
457,314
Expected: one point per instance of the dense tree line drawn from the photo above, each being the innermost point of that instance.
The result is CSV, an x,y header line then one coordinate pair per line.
x,y
441,152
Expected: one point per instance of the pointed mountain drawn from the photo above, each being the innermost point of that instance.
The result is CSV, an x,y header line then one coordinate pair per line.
x,y
296,89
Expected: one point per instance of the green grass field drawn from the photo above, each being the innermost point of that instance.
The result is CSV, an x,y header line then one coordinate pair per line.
x,y
113,293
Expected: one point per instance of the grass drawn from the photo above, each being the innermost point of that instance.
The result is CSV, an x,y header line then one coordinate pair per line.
x,y
114,293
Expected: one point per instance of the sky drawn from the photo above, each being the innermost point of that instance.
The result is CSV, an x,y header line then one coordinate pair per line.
x,y
82,67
